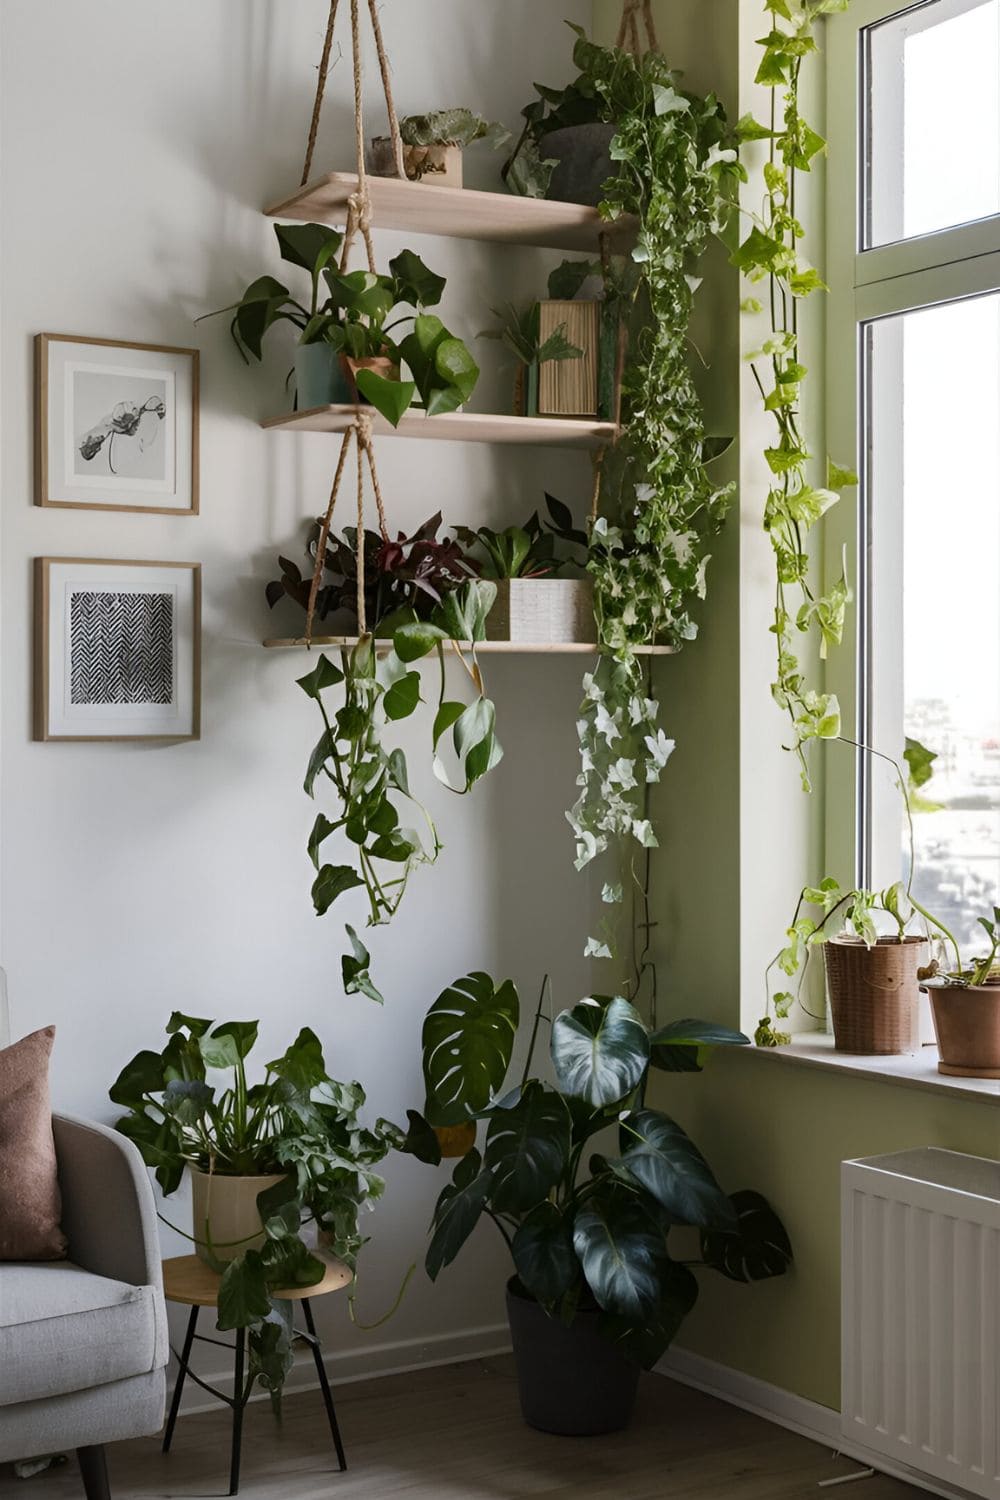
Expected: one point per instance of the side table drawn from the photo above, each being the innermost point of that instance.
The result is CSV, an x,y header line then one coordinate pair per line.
x,y
187,1280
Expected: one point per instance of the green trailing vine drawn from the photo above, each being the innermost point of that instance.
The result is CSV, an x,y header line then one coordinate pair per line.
x,y
658,506
771,252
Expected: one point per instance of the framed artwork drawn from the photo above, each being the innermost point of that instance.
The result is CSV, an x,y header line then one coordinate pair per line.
x,y
116,425
117,649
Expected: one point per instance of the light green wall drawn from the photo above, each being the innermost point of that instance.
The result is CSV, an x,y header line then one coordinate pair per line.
x,y
738,840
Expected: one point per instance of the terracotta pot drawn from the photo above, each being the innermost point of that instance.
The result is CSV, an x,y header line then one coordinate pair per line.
x,y
441,166
456,1140
225,1214
874,994
967,1023
379,364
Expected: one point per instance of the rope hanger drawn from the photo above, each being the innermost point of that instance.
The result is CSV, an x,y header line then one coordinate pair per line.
x,y
628,31
359,216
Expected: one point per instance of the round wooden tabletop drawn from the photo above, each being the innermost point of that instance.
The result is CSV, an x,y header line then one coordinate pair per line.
x,y
188,1280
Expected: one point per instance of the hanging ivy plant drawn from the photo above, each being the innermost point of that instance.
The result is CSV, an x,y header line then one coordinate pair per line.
x,y
771,252
658,506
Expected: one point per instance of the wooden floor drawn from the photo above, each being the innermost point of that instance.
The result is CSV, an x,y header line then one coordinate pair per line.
x,y
456,1434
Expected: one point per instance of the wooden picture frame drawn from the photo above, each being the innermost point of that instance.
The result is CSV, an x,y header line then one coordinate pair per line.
x,y
116,433
117,650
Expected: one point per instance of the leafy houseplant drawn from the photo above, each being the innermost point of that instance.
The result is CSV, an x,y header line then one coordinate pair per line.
x,y
297,1128
350,326
368,780
563,150
410,573
590,1237
433,145
965,1002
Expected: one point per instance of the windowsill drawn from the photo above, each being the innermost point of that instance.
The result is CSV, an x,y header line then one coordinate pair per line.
x,y
814,1049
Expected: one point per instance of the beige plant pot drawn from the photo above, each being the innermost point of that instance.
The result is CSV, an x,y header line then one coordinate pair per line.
x,y
225,1214
543,611
967,1022
441,166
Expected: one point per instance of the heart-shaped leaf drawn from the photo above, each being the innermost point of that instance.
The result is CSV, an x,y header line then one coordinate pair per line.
x,y
622,1251
675,1048
402,697
759,1248
527,1149
468,1038
415,283
647,1340
458,1212
543,1254
393,398
331,882
667,1163
600,1050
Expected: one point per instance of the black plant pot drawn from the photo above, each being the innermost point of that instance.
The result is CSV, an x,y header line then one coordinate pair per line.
x,y
583,153
571,1380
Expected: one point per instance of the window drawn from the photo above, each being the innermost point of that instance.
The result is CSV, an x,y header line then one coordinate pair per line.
x,y
914,376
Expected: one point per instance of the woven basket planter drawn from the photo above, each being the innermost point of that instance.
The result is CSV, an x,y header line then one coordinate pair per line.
x,y
874,994
543,611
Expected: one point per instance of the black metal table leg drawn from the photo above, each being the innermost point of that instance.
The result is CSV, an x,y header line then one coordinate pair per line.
x,y
324,1384
239,1404
181,1374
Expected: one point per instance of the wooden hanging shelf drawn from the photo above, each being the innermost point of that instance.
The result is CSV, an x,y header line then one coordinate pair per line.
x,y
458,427
460,213
494,648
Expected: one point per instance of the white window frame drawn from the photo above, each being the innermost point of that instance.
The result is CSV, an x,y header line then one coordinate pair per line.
x,y
866,285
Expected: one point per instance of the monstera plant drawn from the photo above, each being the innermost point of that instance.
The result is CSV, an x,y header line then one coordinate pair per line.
x,y
587,1181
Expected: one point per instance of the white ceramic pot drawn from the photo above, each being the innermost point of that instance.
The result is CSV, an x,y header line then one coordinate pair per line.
x,y
225,1214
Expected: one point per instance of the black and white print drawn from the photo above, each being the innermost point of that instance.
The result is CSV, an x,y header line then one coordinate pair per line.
x,y
120,425
121,648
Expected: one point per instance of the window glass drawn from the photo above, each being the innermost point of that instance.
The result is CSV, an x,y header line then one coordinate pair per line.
x,y
934,517
933,119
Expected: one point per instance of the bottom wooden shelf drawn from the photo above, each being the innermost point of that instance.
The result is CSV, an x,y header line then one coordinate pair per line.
x,y
510,648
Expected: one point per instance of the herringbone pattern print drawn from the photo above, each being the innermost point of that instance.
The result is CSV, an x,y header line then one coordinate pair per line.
x,y
121,648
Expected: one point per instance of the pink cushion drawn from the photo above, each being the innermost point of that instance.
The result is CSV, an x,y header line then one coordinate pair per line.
x,y
29,1187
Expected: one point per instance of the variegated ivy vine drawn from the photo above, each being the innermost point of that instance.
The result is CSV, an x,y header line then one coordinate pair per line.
x,y
658,505
770,252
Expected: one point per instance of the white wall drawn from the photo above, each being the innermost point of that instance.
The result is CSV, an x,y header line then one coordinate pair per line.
x,y
139,143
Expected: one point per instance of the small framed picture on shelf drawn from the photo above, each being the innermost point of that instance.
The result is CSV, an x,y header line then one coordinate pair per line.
x,y
116,425
117,649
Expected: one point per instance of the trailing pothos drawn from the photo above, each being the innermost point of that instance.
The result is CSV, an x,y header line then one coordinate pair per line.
x,y
658,504
369,779
771,252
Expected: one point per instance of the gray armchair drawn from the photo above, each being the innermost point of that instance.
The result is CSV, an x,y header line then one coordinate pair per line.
x,y
83,1342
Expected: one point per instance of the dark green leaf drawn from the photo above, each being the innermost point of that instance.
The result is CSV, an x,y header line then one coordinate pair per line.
x,y
301,1065
402,697
543,1253
323,675
331,882
243,1295
421,1140
322,828
242,1033
143,1075
675,1048
468,1038
393,398
667,1163
416,284
527,1149
311,246
600,1052
417,639
760,1247
355,967
647,1340
458,1212
622,1251
326,749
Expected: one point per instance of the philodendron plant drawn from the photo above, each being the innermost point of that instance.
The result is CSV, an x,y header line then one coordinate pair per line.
x,y
584,1229
351,312
452,127
296,1122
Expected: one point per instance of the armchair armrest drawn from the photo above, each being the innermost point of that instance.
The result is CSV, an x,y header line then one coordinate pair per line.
x,y
108,1210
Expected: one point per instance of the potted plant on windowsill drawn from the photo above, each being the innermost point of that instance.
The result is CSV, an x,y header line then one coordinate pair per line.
x,y
965,1003
349,349
265,1160
433,145
600,1287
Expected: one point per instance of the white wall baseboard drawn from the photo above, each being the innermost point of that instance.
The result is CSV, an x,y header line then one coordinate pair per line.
x,y
807,1418
368,1363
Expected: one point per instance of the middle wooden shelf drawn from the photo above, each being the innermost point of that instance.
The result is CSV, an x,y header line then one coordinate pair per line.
x,y
458,427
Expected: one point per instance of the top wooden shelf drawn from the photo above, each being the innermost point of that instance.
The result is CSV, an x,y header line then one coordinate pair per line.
x,y
463,213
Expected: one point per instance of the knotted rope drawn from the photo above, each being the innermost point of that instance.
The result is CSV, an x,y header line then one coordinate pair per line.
x,y
359,221
628,31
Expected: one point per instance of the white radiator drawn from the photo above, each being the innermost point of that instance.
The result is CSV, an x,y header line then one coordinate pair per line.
x,y
920,1291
